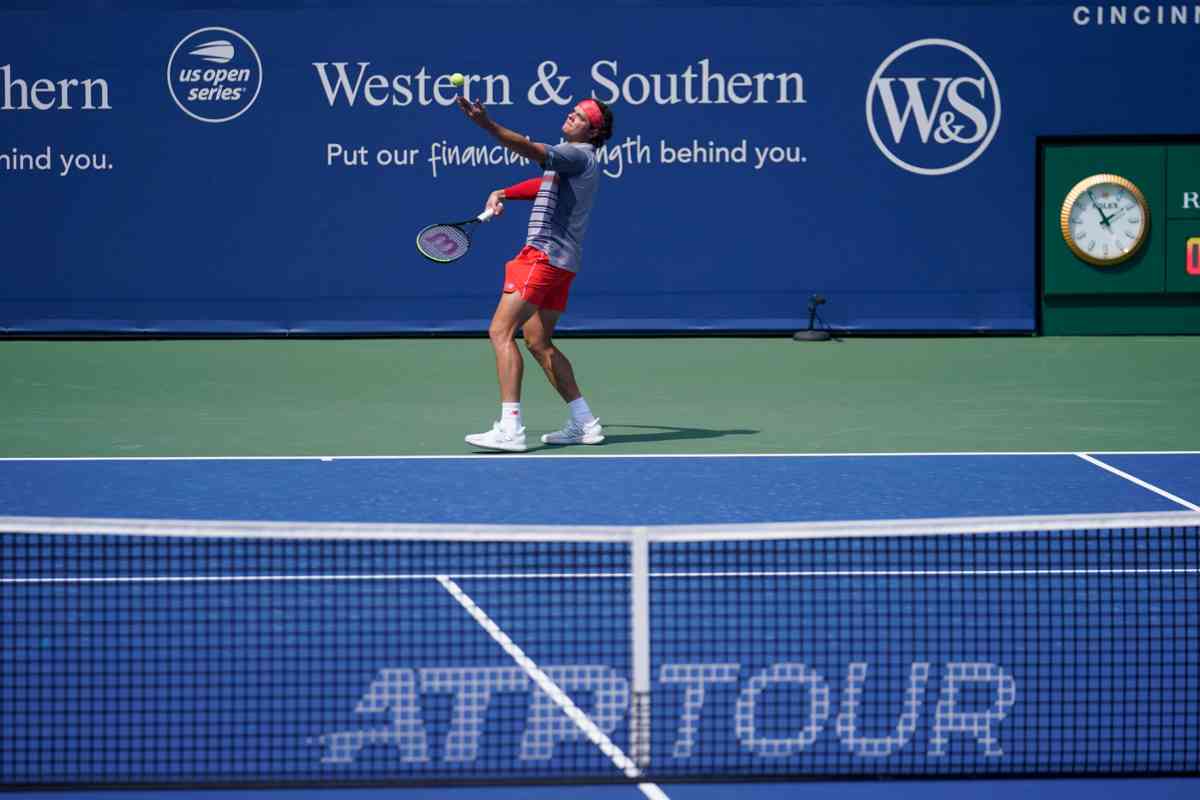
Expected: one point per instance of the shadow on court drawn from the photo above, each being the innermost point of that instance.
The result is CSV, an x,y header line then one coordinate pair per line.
x,y
667,433
654,433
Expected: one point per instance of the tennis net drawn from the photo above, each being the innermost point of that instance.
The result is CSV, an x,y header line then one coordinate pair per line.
x,y
149,653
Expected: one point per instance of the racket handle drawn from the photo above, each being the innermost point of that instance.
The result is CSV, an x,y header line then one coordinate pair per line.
x,y
486,215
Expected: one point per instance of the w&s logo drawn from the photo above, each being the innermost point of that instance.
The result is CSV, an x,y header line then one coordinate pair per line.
x,y
933,106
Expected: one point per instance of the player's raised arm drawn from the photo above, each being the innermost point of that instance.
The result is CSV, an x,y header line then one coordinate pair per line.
x,y
510,139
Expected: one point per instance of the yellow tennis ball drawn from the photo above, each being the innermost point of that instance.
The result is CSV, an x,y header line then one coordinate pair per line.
x,y
457,79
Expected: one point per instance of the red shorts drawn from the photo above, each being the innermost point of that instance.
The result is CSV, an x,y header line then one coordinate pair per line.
x,y
532,276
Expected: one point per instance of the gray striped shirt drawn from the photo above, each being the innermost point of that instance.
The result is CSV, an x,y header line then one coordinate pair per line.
x,y
559,217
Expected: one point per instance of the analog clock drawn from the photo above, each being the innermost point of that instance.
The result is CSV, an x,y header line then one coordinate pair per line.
x,y
1105,220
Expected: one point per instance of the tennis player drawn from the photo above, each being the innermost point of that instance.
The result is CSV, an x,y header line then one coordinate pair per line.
x,y
537,281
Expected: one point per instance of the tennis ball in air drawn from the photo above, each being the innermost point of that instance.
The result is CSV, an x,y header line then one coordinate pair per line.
x,y
457,79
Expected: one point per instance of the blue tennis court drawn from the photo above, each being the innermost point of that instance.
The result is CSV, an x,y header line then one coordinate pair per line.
x,y
596,490
157,647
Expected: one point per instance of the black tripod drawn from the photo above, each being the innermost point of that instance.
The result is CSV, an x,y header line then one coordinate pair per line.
x,y
813,335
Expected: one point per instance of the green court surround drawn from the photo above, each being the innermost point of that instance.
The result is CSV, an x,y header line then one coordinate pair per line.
x,y
654,396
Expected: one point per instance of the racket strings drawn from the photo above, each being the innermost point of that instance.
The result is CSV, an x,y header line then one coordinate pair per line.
x,y
443,242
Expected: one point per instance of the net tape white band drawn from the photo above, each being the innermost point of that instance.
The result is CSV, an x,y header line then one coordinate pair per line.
x,y
846,529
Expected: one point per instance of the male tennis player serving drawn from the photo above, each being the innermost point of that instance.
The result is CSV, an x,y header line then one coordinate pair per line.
x,y
536,282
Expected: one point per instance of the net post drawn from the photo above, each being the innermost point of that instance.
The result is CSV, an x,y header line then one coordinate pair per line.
x,y
639,605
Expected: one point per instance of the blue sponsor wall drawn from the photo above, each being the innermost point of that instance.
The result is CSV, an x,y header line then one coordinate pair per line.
x,y
880,155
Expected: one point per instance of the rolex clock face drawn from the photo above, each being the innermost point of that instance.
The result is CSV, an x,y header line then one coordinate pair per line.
x,y
1105,220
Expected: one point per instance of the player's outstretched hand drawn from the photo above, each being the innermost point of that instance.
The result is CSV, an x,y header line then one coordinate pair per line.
x,y
475,112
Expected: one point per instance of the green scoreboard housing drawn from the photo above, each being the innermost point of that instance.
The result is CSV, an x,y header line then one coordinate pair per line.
x,y
1154,290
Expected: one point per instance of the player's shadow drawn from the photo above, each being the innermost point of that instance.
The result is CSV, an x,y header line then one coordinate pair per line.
x,y
661,433
667,433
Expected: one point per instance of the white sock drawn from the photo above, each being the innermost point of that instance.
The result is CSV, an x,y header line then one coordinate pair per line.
x,y
510,416
580,411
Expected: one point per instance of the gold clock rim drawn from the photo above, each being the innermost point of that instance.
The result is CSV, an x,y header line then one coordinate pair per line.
x,y
1081,187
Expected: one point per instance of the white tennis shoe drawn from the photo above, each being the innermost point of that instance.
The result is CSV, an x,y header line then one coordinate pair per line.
x,y
576,433
511,440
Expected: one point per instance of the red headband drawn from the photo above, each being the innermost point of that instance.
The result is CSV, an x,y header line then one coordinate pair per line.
x,y
592,111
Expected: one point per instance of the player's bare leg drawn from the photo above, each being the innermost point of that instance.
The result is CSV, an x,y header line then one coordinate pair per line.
x,y
508,433
511,313
581,427
538,331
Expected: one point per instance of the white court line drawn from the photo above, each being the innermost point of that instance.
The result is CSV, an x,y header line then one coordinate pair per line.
x,y
931,573
560,698
1163,492
601,456
494,576
529,576
315,531
960,526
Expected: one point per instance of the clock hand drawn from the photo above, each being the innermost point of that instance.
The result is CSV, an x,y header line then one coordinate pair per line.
x,y
1105,221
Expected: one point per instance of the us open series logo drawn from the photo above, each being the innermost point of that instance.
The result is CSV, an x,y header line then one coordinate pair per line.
x,y
214,74
933,106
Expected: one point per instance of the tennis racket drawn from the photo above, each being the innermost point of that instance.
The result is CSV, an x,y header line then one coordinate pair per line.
x,y
449,241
